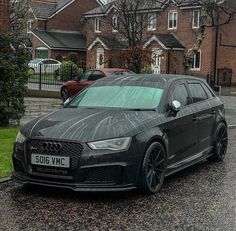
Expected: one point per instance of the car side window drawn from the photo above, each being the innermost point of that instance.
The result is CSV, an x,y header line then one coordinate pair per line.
x,y
53,62
197,92
46,62
180,93
86,75
207,90
96,75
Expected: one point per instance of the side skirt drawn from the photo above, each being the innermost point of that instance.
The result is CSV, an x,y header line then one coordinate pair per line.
x,y
189,161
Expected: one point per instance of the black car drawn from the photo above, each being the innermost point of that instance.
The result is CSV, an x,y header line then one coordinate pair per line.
x,y
123,133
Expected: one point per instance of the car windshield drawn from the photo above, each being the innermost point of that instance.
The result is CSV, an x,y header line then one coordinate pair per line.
x,y
123,97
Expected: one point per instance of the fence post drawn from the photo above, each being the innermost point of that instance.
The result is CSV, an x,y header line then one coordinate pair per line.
x,y
40,76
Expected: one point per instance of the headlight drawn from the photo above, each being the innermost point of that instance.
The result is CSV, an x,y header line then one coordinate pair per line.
x,y
112,144
20,138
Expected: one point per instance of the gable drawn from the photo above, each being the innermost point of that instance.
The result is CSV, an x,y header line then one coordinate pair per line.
x,y
48,9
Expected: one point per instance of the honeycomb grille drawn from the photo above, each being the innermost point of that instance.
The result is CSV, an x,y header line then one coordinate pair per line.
x,y
69,149
109,174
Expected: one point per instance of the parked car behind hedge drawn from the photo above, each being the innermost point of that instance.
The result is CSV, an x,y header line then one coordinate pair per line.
x,y
44,66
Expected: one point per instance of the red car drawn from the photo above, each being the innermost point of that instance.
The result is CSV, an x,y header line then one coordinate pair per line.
x,y
72,87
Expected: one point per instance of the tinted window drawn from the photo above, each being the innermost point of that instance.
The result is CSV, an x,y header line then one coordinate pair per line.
x,y
96,75
197,92
208,91
86,75
180,93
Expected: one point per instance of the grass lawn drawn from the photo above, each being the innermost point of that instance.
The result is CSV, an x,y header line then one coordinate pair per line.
x,y
7,138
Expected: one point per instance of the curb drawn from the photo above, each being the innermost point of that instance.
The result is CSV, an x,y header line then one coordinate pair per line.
x,y
232,126
5,179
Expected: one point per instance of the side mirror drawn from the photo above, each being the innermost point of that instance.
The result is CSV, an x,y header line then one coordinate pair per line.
x,y
67,101
175,106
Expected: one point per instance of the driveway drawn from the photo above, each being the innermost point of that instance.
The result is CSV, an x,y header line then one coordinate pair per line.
x,y
202,197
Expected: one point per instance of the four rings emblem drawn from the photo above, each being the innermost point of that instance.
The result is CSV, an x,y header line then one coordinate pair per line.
x,y
51,146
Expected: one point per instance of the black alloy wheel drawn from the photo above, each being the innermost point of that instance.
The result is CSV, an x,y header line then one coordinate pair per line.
x,y
64,94
220,143
153,168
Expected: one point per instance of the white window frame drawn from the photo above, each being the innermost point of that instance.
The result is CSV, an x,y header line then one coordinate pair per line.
x,y
194,68
198,19
97,25
152,21
169,13
29,25
115,23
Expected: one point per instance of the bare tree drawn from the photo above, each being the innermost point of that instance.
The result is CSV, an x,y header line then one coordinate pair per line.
x,y
20,13
132,19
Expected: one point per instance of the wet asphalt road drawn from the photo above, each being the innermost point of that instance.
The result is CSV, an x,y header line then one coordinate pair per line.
x,y
202,197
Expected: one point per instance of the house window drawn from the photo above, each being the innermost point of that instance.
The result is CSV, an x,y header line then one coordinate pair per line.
x,y
29,26
114,23
172,20
196,60
152,21
97,25
41,52
196,18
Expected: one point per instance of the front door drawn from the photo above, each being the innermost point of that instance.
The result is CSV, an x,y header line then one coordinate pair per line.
x,y
100,58
156,61
181,128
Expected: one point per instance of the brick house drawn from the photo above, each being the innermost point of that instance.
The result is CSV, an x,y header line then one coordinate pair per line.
x,y
56,28
4,15
170,34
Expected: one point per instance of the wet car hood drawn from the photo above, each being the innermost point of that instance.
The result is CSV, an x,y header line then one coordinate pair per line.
x,y
89,124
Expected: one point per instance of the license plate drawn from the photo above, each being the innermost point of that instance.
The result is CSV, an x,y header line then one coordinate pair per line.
x,y
53,161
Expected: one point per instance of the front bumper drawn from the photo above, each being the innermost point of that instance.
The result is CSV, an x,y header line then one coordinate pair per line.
x,y
72,186
96,171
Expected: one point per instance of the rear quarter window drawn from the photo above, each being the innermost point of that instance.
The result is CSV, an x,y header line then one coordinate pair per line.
x,y
197,92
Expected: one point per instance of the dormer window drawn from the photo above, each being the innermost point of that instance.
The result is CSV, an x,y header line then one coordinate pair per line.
x,y
196,18
97,25
172,20
152,21
114,23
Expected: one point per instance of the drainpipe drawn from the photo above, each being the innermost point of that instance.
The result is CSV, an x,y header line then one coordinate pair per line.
x,y
216,50
168,63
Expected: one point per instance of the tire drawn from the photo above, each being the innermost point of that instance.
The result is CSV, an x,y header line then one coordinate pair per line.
x,y
220,143
153,168
64,94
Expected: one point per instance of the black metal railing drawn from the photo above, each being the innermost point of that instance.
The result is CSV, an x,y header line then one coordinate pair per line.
x,y
50,76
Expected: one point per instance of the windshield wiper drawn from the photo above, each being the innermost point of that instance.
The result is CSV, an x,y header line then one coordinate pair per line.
x,y
140,109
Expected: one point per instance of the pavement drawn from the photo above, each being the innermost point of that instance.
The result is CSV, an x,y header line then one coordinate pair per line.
x,y
199,198
230,109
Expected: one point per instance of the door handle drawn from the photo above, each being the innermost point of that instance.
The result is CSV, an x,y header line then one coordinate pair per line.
x,y
195,118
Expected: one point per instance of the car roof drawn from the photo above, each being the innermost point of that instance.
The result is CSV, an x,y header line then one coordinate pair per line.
x,y
164,78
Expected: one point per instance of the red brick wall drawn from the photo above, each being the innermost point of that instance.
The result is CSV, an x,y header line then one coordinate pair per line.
x,y
226,57
4,15
184,31
70,17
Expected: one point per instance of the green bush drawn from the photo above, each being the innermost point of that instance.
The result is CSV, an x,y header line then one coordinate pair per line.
x,y
13,78
147,70
68,70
